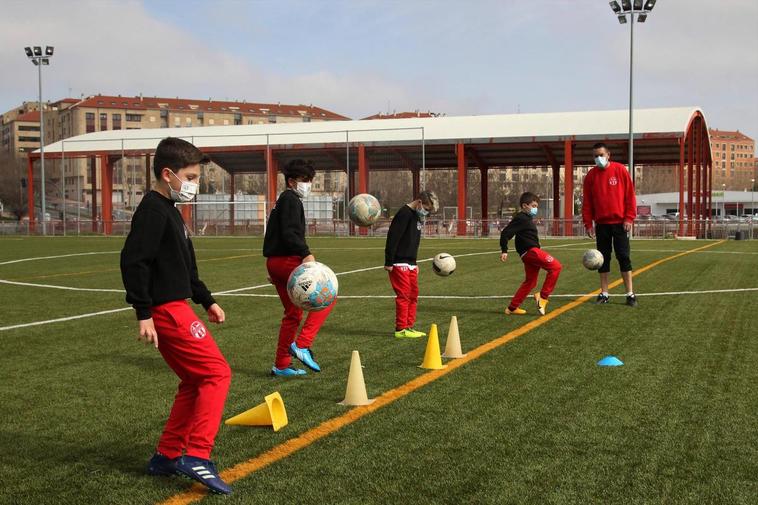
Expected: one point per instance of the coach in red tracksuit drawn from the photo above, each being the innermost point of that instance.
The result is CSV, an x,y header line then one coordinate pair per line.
x,y
528,248
609,208
159,272
400,252
285,248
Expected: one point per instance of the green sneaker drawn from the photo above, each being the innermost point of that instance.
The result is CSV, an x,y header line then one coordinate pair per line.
x,y
413,333
401,334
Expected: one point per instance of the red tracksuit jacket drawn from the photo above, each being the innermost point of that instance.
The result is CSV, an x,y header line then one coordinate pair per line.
x,y
608,196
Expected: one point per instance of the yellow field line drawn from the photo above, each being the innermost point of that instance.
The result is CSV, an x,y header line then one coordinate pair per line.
x,y
281,451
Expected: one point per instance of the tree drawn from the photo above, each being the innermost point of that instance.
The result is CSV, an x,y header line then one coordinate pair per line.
x,y
13,196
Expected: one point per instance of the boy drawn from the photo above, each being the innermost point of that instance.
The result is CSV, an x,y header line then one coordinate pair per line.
x,y
528,247
285,248
610,203
400,254
159,272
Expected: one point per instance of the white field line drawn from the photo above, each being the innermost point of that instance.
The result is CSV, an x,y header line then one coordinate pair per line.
x,y
67,288
37,258
706,251
62,319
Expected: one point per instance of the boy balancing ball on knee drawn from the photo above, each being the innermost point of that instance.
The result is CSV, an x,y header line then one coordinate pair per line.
x,y
285,249
528,247
159,272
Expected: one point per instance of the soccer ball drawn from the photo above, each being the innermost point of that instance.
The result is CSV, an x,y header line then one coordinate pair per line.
x,y
443,264
312,286
364,209
592,259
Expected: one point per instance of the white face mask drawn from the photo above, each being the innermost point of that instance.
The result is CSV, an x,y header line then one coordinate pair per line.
x,y
601,161
186,193
303,189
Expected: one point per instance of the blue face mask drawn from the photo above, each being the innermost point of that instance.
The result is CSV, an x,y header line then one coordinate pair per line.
x,y
422,212
533,211
601,161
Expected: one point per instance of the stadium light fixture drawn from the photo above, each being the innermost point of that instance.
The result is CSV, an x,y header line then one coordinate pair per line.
x,y
38,57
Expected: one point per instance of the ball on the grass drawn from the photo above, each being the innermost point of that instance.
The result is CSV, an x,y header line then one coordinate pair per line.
x,y
592,259
443,264
364,209
312,286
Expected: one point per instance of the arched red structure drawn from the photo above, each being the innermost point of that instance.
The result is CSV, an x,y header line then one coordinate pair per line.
x,y
673,137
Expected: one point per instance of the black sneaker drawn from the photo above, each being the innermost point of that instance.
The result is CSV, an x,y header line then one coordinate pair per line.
x,y
631,300
204,472
161,465
601,298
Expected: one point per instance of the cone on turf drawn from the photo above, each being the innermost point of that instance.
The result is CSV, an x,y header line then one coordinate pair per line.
x,y
432,358
355,393
453,343
269,413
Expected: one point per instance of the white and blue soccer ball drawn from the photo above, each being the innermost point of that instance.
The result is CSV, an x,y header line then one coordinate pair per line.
x,y
312,286
592,259
364,209
443,264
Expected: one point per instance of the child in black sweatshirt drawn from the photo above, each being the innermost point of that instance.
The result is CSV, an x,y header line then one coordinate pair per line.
x,y
400,253
159,272
528,247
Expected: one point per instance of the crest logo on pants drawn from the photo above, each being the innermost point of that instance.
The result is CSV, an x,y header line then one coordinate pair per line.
x,y
613,181
198,330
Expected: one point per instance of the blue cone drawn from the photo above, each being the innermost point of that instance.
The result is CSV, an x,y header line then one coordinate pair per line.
x,y
610,361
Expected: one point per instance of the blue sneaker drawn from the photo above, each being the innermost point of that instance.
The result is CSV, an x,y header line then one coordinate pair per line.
x,y
161,465
202,471
286,372
305,355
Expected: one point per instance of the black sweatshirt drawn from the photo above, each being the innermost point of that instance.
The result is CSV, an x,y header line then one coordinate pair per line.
x,y
158,261
522,225
285,231
403,238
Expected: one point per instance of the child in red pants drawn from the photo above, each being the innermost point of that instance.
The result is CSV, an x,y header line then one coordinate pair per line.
x,y
285,248
400,253
528,247
159,272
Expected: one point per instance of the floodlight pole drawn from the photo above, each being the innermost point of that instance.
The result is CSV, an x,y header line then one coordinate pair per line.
x,y
631,101
41,149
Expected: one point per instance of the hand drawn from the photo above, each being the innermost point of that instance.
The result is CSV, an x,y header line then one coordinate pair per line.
x,y
147,333
591,232
309,259
627,226
503,256
389,268
216,314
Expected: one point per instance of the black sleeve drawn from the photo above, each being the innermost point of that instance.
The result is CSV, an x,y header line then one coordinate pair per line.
x,y
394,234
293,233
516,225
200,292
140,249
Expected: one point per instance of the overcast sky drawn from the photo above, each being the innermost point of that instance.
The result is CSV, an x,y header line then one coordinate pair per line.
x,y
361,57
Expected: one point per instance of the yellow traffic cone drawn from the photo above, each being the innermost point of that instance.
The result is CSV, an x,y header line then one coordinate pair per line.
x,y
432,359
453,344
355,393
269,413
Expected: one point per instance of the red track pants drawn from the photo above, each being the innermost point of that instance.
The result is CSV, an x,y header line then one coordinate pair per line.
x,y
534,260
404,280
189,349
279,269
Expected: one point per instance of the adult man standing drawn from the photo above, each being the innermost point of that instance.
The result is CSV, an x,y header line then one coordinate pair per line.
x,y
609,207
